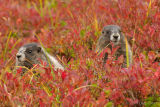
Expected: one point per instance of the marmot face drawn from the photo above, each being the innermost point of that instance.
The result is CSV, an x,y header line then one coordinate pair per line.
x,y
28,55
110,33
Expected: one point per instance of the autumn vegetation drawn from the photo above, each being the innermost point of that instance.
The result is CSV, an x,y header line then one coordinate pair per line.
x,y
70,29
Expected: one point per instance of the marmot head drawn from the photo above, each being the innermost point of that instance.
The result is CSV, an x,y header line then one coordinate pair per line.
x,y
110,33
29,54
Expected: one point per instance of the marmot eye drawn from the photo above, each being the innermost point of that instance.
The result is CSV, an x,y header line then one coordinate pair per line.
x,y
102,32
29,51
108,32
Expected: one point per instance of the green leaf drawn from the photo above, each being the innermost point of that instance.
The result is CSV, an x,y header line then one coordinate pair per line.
x,y
152,104
109,104
48,49
82,33
97,33
107,92
14,35
94,85
63,23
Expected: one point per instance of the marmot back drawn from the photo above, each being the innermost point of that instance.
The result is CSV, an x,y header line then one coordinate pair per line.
x,y
112,33
31,53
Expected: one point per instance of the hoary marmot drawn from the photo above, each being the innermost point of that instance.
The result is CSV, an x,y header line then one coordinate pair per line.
x,y
112,34
32,53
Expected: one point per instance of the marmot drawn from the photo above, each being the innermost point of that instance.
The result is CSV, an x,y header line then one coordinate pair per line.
x,y
32,53
112,34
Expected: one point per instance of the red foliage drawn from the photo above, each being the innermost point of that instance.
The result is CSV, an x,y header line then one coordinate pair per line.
x,y
70,29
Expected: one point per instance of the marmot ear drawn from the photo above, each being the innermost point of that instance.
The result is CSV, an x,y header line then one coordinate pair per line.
x,y
39,49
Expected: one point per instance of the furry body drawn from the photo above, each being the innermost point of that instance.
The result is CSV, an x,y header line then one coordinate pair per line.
x,y
113,34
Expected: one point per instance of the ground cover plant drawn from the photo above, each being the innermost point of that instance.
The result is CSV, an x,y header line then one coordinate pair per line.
x,y
70,30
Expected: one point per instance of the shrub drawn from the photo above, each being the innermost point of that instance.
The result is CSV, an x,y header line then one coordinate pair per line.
x,y
70,29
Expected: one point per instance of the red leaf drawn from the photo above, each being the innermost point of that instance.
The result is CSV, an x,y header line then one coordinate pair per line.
x,y
63,75
156,74
19,70
9,75
132,102
41,103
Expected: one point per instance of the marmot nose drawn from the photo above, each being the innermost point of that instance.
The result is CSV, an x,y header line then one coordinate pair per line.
x,y
18,56
115,37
